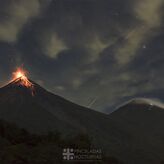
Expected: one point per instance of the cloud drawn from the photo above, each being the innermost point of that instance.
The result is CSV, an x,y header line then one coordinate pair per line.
x,y
95,47
17,14
52,45
94,28
148,13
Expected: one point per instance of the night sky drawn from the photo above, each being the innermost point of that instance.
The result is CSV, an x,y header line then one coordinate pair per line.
x,y
97,53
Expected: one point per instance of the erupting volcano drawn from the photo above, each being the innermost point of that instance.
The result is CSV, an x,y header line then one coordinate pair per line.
x,y
20,77
43,111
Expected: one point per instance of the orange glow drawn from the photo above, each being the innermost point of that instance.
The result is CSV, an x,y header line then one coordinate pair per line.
x,y
20,76
19,73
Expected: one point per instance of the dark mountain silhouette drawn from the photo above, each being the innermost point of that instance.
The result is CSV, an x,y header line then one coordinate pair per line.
x,y
18,146
133,133
143,120
43,111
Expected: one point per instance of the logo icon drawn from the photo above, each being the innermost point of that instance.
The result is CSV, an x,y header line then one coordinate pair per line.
x,y
68,154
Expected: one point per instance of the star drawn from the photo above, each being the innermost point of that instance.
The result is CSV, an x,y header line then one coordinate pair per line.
x,y
144,47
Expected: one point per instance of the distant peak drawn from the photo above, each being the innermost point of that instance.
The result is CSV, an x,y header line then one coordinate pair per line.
x,y
143,101
148,101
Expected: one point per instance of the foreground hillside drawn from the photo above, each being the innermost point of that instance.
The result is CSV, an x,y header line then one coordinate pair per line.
x,y
21,147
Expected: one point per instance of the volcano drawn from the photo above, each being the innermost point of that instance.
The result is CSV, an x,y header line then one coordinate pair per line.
x,y
40,111
36,109
133,133
143,120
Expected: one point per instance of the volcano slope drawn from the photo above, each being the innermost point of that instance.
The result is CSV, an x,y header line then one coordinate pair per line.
x,y
143,121
39,111
133,133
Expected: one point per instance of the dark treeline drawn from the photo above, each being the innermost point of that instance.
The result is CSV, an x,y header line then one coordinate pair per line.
x,y
21,147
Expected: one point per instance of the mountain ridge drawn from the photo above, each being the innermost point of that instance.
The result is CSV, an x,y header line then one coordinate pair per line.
x,y
45,111
142,101
132,133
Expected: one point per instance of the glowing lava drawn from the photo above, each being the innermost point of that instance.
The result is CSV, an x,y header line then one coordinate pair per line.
x,y
20,76
19,73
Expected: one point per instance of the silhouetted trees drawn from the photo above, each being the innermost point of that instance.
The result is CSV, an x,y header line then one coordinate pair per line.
x,y
21,147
